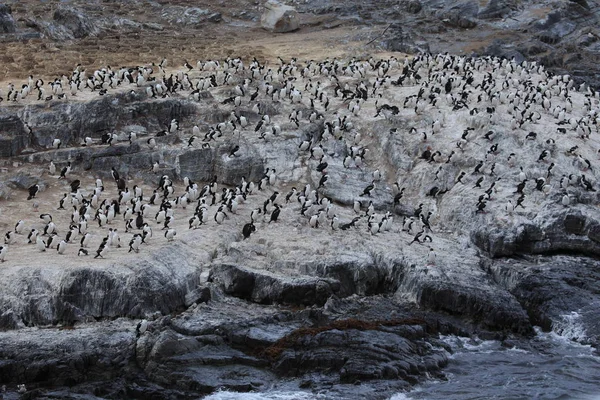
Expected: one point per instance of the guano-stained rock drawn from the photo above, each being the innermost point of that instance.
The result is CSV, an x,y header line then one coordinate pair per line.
x,y
279,18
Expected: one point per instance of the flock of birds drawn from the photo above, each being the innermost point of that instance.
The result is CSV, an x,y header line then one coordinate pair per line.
x,y
451,107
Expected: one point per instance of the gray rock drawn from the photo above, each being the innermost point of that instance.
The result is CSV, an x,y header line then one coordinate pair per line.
x,y
13,135
198,295
7,22
574,223
268,288
215,17
413,6
402,40
458,20
594,232
468,9
496,9
75,21
246,163
68,298
279,18
197,164
24,181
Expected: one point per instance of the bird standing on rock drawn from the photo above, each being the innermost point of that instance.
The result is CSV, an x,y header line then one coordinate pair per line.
x,y
248,229
431,256
367,191
170,234
33,190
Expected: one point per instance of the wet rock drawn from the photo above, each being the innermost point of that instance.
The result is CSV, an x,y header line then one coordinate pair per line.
x,y
506,314
279,18
193,365
89,351
559,298
387,355
7,22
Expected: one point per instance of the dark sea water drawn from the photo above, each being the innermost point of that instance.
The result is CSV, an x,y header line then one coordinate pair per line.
x,y
549,366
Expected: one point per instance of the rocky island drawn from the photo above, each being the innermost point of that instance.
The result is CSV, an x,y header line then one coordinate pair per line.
x,y
250,218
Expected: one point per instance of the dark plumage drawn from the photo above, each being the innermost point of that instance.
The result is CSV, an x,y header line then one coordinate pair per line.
x,y
234,150
248,229
75,185
368,190
33,191
323,180
115,174
417,238
275,214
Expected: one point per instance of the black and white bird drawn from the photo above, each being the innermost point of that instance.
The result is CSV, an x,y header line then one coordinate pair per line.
x,y
170,234
248,229
65,171
3,252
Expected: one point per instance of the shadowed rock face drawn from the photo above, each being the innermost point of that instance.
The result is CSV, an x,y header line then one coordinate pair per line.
x,y
79,295
561,35
7,22
72,122
13,136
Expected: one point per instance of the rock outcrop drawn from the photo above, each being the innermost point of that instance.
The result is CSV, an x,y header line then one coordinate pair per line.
x,y
405,221
7,22
279,18
77,23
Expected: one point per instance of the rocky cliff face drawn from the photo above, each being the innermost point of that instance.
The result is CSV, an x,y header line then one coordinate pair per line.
x,y
562,35
329,293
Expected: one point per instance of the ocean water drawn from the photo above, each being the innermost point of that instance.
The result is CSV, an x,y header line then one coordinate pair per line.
x,y
549,366
553,365
276,395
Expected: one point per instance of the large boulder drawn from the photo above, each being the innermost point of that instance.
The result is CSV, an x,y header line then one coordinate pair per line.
x,y
279,18
75,21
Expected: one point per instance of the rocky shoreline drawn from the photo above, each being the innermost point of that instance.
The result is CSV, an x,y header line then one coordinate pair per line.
x,y
330,311
239,321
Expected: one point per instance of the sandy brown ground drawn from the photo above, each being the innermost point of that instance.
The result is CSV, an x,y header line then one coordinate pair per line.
x,y
318,38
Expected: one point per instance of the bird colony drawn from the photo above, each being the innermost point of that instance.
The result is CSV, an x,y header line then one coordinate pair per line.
x,y
402,150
